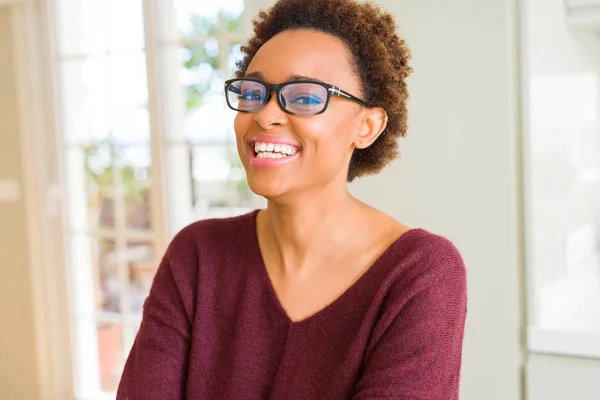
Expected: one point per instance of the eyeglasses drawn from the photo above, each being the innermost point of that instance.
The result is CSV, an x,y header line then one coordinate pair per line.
x,y
294,97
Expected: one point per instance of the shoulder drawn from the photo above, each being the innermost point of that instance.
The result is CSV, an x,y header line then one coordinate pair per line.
x,y
427,280
426,262
213,233
424,287
418,256
434,249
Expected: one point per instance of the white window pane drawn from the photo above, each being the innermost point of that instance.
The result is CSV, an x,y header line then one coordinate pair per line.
x,y
80,194
126,29
103,97
85,97
137,159
173,94
131,126
220,186
82,26
86,360
212,122
177,157
128,80
210,9
83,288
87,27
210,163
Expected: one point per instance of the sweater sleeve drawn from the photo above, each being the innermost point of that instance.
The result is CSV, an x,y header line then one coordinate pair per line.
x,y
418,356
156,368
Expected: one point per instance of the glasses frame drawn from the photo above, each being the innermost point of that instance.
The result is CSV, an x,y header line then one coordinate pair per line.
x,y
331,91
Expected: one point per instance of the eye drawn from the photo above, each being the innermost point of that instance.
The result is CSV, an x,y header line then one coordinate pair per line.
x,y
252,95
308,100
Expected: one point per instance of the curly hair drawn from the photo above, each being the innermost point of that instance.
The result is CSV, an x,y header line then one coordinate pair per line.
x,y
379,58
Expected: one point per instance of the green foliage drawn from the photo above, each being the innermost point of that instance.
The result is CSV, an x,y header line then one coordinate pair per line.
x,y
198,56
234,24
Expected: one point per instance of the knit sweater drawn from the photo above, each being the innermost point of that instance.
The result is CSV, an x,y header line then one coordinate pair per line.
x,y
213,327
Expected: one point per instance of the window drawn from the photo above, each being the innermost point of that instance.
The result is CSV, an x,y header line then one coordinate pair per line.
x,y
148,147
562,156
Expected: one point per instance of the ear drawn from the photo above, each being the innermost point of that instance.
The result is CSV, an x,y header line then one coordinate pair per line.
x,y
371,126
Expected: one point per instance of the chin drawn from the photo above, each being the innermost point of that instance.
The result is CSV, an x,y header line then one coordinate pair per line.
x,y
268,188
265,188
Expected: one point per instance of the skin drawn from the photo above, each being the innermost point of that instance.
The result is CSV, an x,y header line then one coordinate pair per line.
x,y
316,239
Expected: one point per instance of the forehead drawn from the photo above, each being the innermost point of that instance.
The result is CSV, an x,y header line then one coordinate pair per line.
x,y
305,53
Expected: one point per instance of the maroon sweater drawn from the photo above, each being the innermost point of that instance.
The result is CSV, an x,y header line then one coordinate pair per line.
x,y
213,327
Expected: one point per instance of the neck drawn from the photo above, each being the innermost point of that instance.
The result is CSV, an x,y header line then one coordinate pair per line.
x,y
311,231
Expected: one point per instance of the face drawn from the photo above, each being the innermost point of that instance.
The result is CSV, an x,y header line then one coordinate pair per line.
x,y
321,144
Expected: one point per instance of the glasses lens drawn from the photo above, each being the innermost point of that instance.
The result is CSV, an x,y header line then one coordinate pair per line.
x,y
246,95
304,98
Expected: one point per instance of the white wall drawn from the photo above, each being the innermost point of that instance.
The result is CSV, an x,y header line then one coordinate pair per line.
x,y
458,172
561,378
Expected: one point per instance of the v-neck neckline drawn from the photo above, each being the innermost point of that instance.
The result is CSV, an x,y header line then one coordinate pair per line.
x,y
341,298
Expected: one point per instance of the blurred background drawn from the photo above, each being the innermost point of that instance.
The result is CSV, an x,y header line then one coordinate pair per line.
x,y
114,135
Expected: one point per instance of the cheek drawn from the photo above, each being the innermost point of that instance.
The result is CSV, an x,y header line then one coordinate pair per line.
x,y
331,136
241,125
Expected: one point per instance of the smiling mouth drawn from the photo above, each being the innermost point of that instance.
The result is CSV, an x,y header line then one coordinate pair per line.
x,y
264,150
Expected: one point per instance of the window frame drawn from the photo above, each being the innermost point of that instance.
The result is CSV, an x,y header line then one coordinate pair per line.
x,y
35,43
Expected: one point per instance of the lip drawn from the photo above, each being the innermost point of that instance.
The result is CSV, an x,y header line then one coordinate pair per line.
x,y
270,162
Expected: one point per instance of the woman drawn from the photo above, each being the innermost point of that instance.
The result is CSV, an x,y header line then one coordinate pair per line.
x,y
319,296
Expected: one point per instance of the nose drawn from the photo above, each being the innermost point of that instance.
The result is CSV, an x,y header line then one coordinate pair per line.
x,y
271,115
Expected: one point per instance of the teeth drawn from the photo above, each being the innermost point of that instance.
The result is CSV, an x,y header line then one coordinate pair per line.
x,y
274,148
269,155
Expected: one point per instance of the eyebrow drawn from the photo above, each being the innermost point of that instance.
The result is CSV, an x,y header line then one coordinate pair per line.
x,y
304,78
254,74
293,77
